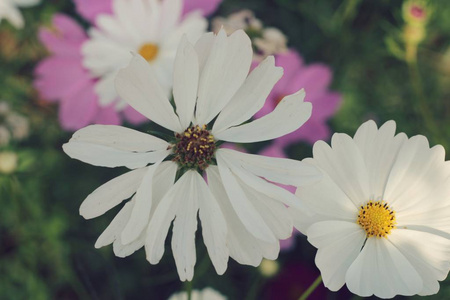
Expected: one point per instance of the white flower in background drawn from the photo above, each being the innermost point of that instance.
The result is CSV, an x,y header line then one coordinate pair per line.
x,y
8,162
9,10
242,214
381,214
205,294
267,40
244,19
12,125
152,28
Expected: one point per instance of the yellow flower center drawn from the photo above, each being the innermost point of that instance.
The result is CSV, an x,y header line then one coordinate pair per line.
x,y
149,51
195,148
376,218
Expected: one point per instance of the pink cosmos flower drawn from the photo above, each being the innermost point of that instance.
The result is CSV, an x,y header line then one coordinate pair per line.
x,y
63,78
315,79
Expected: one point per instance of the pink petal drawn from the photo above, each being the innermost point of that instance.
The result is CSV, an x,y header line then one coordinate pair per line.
x,y
58,77
314,79
133,116
207,7
65,38
90,9
107,116
310,132
79,109
291,62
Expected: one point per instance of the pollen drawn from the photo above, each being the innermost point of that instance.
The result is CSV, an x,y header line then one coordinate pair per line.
x,y
149,51
195,148
376,218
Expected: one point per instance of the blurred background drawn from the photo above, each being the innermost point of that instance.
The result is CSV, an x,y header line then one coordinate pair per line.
x,y
382,60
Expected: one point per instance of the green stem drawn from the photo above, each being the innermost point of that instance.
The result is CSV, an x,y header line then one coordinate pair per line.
x,y
422,104
189,289
311,288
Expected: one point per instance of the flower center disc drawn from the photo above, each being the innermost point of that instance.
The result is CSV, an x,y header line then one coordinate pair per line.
x,y
376,218
195,148
149,51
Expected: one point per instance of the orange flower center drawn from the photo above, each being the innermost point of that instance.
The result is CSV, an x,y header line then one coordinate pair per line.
x,y
149,51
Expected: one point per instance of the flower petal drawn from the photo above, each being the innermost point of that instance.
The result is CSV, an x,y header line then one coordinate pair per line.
x,y
121,250
112,232
111,193
417,173
120,138
185,81
224,72
345,166
247,213
243,246
280,170
324,200
137,84
184,228
382,270
250,97
162,217
214,226
338,244
428,253
141,211
379,148
289,115
104,156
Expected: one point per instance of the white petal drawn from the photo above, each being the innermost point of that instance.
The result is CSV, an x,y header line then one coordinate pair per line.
x,y
274,213
428,253
243,246
379,149
381,270
170,16
121,250
184,228
247,213
105,156
185,81
162,217
112,232
325,201
345,166
250,97
214,227
224,72
203,47
141,211
12,14
111,193
137,84
288,116
120,138
259,184
417,173
281,170
338,244
163,179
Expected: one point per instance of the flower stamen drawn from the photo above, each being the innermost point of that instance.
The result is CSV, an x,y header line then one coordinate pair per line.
x,y
195,148
149,51
376,218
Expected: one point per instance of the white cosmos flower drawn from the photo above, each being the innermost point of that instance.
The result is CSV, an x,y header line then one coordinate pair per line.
x,y
9,9
152,28
242,214
381,214
205,294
